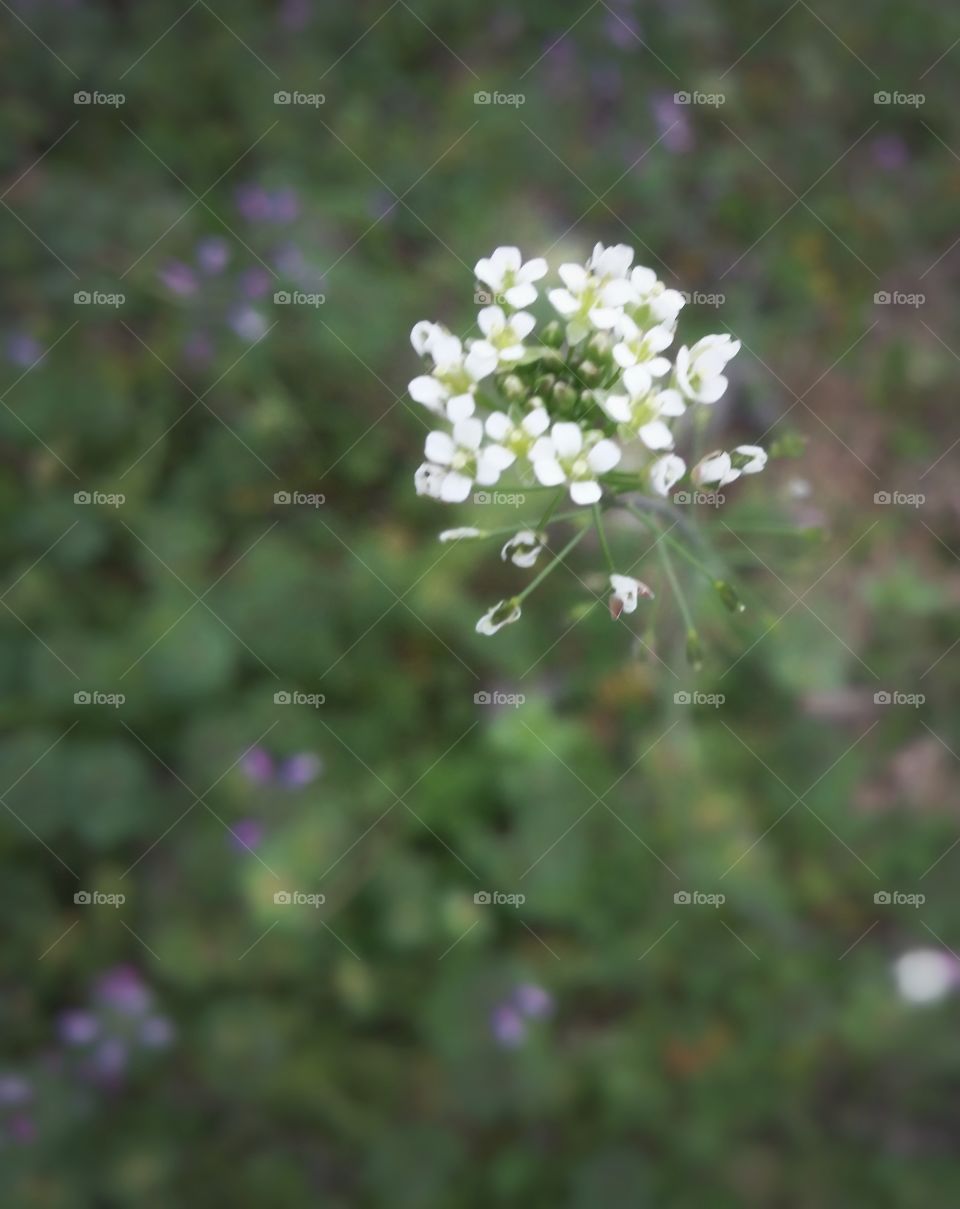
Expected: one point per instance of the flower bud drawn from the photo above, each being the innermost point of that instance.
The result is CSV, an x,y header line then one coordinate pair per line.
x,y
514,390
563,394
588,372
729,597
544,384
553,334
694,650
600,346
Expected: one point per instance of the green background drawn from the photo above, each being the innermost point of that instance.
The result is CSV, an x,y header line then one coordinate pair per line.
x,y
753,1054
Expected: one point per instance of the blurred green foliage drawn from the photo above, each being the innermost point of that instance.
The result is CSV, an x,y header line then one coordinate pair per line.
x,y
752,1055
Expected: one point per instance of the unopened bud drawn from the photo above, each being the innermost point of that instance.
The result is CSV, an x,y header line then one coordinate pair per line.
x,y
729,597
513,388
563,394
694,650
553,334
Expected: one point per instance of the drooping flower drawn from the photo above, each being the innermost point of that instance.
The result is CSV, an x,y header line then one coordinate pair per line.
x,y
665,472
509,277
721,468
462,460
503,613
699,370
523,549
568,455
626,593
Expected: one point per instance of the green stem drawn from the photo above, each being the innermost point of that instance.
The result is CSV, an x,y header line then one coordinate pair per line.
x,y
551,566
598,522
552,507
678,546
675,583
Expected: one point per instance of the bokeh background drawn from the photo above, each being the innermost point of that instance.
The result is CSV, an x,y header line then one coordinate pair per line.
x,y
403,1044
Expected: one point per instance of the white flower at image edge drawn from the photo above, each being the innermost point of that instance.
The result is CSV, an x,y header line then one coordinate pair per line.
x,y
454,463
628,590
449,389
699,370
926,975
503,337
665,472
502,613
564,457
508,277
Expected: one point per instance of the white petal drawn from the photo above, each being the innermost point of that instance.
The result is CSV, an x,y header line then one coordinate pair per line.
x,y
617,293
533,270
422,335
603,317
507,259
491,320
567,439
491,463
522,324
618,408
757,456
498,425
665,472
481,360
521,295
439,448
574,277
468,433
656,435
549,472
585,492
624,355
460,407
535,422
603,456
712,469
637,381
455,488
670,403
563,301
428,391
487,273
711,390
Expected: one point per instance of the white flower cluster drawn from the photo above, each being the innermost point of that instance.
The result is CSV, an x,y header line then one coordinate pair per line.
x,y
564,404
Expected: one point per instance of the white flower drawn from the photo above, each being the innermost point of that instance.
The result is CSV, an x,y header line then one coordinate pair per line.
x,y
663,305
454,463
453,535
450,388
594,296
506,274
518,438
626,592
699,370
665,472
502,613
504,337
566,456
639,412
722,468
638,346
925,975
424,333
523,549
